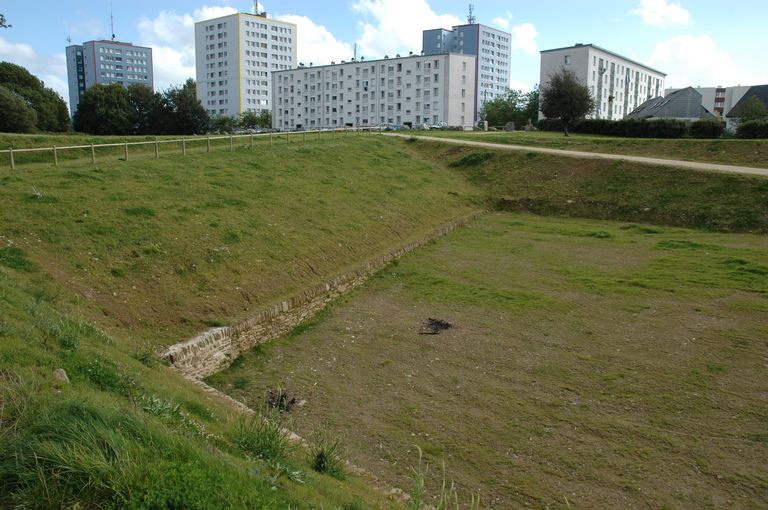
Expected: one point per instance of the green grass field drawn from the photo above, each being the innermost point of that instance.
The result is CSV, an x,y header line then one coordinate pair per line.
x,y
752,153
101,266
616,365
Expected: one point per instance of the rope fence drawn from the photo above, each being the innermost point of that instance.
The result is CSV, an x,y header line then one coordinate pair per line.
x,y
89,150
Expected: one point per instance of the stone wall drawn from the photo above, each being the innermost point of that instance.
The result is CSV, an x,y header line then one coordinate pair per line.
x,y
215,349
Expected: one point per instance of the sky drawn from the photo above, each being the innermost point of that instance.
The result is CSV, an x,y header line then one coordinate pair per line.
x,y
696,42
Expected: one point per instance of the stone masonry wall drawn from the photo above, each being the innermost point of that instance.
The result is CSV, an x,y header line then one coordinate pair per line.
x,y
215,349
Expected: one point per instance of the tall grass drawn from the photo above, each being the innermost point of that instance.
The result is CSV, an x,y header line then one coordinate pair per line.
x,y
263,436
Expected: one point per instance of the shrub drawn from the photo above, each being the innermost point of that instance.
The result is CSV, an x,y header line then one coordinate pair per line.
x,y
325,457
472,159
263,437
707,128
753,129
15,258
549,125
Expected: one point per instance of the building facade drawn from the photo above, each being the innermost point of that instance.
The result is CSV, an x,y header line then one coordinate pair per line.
x,y
235,56
412,90
490,46
618,84
104,62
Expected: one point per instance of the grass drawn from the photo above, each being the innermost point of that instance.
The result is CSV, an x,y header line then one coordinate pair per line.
x,y
629,373
753,153
619,190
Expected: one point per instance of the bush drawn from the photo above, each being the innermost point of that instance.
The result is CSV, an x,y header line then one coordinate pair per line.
x,y
325,457
263,437
549,125
707,128
753,129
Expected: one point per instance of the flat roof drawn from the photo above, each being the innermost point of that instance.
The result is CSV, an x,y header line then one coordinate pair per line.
x,y
264,17
431,55
605,51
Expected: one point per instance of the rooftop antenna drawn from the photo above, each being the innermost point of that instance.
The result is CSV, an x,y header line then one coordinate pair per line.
x,y
69,40
111,22
355,51
471,18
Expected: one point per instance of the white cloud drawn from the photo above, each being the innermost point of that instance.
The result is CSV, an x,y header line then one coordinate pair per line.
x,y
524,38
502,23
85,29
316,44
52,69
172,39
395,26
696,60
661,13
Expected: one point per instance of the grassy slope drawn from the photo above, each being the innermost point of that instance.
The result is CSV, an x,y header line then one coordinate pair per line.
x,y
752,153
163,252
618,365
618,190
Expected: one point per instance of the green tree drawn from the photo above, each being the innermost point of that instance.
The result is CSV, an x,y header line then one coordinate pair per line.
x,y
104,110
142,102
4,22
565,98
185,114
16,116
253,120
50,108
532,105
503,109
223,124
750,109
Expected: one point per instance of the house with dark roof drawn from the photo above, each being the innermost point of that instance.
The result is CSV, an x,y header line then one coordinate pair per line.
x,y
683,104
758,91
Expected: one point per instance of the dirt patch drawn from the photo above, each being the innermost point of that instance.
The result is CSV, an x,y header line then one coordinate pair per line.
x,y
281,400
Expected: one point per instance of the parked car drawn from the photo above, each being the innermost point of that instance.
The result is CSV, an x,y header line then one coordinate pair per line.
x,y
439,125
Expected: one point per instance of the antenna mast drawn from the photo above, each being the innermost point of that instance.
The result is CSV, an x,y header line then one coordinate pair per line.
x,y
112,22
471,18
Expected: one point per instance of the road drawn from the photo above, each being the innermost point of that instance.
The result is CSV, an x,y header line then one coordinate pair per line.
x,y
713,167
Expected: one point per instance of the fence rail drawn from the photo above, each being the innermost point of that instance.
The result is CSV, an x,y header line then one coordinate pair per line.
x,y
287,135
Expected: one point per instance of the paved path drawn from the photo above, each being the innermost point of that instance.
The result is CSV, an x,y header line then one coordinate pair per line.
x,y
599,155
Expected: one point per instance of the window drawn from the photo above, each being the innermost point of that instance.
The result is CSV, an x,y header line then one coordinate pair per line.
x,y
567,60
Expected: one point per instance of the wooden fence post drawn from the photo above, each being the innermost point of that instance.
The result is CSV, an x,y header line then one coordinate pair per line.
x,y
157,151
270,138
231,147
125,150
304,136
251,140
55,157
183,146
93,154
288,137
208,141
10,154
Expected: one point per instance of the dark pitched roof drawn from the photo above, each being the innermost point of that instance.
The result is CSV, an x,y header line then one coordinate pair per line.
x,y
759,91
680,104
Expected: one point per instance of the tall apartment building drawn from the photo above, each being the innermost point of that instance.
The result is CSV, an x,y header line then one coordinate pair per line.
x,y
490,46
234,58
618,84
718,100
410,90
106,62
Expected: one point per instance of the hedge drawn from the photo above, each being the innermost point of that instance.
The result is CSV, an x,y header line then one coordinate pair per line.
x,y
753,129
637,128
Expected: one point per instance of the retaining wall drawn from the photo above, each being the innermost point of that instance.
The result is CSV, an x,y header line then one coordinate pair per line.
x,y
215,349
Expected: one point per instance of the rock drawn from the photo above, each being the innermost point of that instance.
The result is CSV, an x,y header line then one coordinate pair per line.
x,y
60,375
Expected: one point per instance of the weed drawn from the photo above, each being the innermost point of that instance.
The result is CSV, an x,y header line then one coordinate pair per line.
x,y
232,236
117,272
240,383
472,159
15,258
263,436
325,457
145,354
104,374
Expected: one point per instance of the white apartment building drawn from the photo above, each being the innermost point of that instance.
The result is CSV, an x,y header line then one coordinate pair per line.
x,y
410,90
618,84
489,45
234,58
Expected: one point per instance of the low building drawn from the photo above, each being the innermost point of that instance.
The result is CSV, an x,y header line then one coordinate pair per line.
x,y
618,84
490,46
411,90
718,100
683,104
757,91
104,62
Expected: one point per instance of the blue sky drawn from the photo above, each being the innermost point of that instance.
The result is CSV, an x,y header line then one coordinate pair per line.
x,y
699,42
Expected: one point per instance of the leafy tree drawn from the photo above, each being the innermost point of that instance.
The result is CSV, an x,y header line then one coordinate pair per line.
x,y
17,117
514,106
565,98
750,109
142,102
50,108
253,120
223,124
4,22
532,105
104,110
185,114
